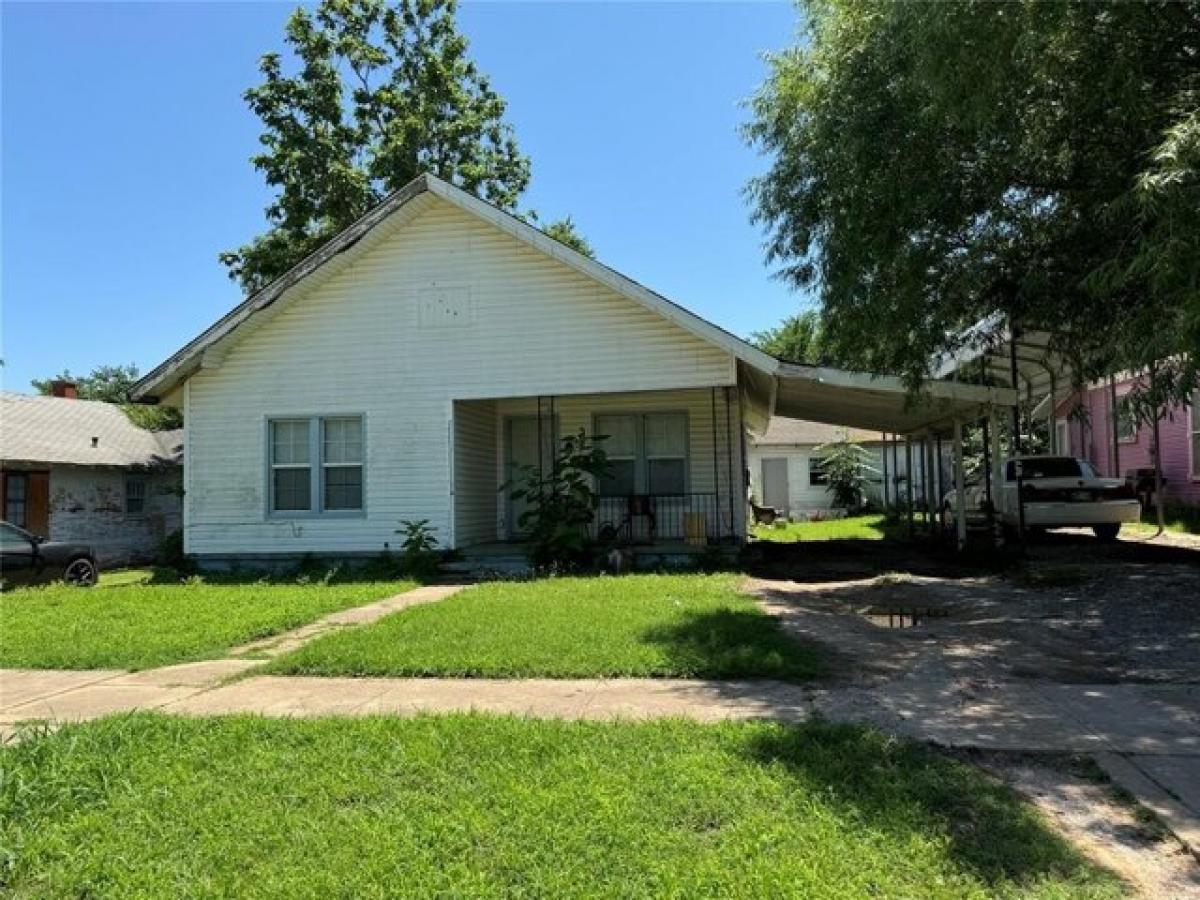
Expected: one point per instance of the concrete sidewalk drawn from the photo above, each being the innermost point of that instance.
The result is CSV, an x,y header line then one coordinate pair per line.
x,y
1146,736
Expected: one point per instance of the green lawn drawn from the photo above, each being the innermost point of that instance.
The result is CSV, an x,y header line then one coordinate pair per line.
x,y
1185,520
481,806
850,528
690,626
130,622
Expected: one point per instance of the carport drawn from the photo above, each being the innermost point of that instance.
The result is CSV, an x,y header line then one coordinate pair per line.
x,y
936,412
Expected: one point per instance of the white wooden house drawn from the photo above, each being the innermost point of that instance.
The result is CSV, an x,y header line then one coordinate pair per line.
x,y
786,473
402,370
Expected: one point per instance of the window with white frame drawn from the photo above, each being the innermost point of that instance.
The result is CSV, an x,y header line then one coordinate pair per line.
x,y
647,453
1195,420
135,495
316,464
1127,426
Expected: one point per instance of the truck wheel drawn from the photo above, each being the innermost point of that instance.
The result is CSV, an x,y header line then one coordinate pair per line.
x,y
1107,532
80,572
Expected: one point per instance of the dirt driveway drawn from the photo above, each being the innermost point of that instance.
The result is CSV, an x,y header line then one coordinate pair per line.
x,y
1074,612
1036,652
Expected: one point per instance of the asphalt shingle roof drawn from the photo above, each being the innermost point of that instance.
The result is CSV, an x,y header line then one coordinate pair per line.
x,y
783,431
60,430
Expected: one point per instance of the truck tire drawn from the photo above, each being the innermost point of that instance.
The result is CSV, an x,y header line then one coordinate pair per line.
x,y
1107,532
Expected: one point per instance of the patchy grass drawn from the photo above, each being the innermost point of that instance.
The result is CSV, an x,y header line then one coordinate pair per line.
x,y
687,626
1184,519
138,624
850,528
482,806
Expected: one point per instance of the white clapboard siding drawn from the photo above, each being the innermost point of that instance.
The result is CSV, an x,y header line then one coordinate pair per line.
x,y
365,342
476,459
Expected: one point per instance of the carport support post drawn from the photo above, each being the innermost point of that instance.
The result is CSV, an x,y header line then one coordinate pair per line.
x,y
960,490
886,506
930,491
908,482
995,480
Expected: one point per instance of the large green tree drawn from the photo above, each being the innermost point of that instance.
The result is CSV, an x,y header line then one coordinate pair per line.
x,y
114,384
933,163
797,338
372,93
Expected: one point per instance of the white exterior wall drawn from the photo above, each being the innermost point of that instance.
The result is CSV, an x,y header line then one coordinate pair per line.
x,y
805,499
443,308
87,505
478,458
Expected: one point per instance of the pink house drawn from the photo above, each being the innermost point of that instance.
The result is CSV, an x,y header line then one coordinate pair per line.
x,y
1092,439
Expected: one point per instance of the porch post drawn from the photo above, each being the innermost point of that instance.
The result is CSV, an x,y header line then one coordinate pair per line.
x,y
716,469
930,491
960,490
729,459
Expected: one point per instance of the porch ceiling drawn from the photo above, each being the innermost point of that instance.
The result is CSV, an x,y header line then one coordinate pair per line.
x,y
854,399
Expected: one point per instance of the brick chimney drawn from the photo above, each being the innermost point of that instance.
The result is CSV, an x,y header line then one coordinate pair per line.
x,y
63,388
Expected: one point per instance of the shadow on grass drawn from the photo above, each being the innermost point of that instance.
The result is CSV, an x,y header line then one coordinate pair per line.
x,y
731,643
903,789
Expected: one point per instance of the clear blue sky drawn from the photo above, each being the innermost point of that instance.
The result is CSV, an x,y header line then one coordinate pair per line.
x,y
126,158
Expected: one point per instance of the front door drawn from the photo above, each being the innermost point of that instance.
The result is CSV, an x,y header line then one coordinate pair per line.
x,y
775,484
521,450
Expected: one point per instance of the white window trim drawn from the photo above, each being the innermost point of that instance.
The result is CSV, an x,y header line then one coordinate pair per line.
x,y
141,479
1137,427
641,458
316,466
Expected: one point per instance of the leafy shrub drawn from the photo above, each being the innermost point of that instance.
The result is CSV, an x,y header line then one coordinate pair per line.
x,y
846,466
562,502
419,555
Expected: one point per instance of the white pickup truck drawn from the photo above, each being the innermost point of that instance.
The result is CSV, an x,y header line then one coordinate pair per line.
x,y
1057,492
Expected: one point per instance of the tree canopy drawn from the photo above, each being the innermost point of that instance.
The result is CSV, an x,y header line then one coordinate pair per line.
x,y
114,384
934,163
381,92
797,338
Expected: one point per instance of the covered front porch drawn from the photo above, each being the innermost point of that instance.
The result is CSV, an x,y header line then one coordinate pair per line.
x,y
676,476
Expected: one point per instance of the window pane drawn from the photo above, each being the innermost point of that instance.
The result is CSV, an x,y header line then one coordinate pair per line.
x,y
667,476
135,495
666,435
15,489
289,442
343,487
620,479
343,440
816,472
622,434
292,489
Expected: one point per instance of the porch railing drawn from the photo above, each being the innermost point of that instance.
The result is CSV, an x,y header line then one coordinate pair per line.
x,y
655,517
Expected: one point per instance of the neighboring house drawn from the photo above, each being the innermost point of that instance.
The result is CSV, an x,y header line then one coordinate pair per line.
x,y
405,370
1091,437
79,470
785,470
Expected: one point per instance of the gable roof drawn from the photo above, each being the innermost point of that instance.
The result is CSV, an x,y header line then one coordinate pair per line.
x,y
61,430
182,364
783,431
